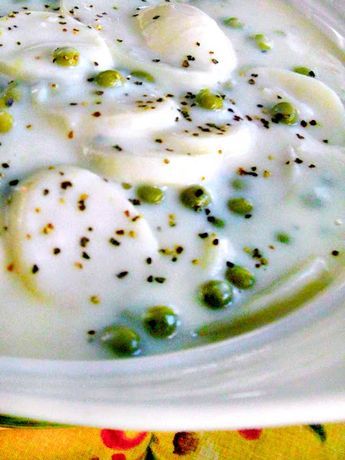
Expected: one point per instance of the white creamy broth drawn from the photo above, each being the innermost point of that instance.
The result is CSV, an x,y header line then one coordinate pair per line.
x,y
192,104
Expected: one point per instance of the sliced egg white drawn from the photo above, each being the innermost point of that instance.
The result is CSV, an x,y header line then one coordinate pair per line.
x,y
183,34
72,235
181,159
159,167
314,100
118,116
222,139
180,45
29,39
133,119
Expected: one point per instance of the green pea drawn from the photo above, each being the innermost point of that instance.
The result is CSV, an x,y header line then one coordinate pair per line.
x,y
284,112
240,277
10,95
126,186
304,71
240,206
233,22
217,222
216,294
150,194
160,322
66,56
283,238
122,340
195,197
239,184
6,122
142,75
262,42
208,100
109,79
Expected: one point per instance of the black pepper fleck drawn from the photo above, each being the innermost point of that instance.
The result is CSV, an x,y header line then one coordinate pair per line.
x,y
114,242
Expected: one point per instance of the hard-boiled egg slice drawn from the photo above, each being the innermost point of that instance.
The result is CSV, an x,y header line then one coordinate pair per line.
x,y
132,118
314,100
222,139
125,112
29,39
72,235
176,43
169,166
189,162
181,157
185,36
159,167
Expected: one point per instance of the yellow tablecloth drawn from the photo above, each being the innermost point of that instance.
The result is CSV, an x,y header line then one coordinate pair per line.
x,y
316,442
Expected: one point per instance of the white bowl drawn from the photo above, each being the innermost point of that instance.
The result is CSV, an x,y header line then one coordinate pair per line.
x,y
291,371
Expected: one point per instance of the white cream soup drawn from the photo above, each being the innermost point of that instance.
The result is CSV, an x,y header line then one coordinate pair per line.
x,y
171,172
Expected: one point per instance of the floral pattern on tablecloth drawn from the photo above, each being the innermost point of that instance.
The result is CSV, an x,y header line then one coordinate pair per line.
x,y
40,441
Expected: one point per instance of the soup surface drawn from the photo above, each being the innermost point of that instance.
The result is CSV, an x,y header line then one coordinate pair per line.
x,y
171,173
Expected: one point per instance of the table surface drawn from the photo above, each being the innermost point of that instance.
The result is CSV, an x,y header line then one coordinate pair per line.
x,y
29,440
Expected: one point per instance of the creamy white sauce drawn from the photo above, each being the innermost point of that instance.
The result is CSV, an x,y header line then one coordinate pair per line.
x,y
70,134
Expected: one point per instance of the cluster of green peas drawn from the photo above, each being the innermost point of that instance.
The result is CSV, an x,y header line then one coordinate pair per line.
x,y
284,112
160,322
194,197
217,294
69,57
261,41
